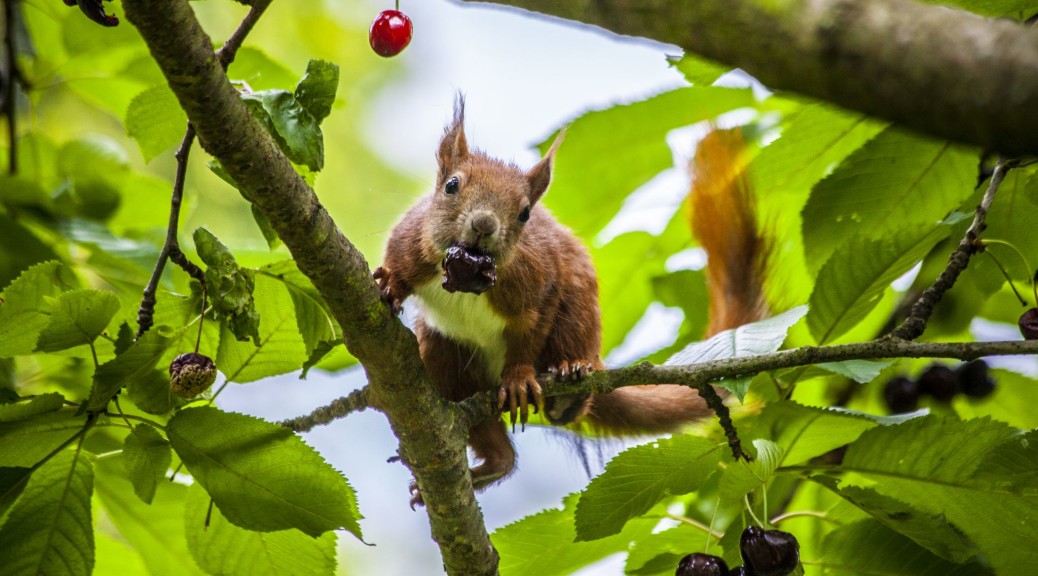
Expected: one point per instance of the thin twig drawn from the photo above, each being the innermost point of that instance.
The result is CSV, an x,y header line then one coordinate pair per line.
x,y
171,247
9,97
915,324
356,401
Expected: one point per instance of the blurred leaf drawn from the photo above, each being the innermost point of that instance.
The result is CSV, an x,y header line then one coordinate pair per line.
x,y
752,339
615,151
261,475
50,402
24,443
853,280
639,477
93,155
27,304
155,120
156,531
313,317
298,132
660,552
17,191
131,366
223,548
260,71
269,234
316,91
48,530
147,457
78,317
1012,218
12,483
868,547
697,70
20,252
279,347
524,545
894,182
1010,8
625,267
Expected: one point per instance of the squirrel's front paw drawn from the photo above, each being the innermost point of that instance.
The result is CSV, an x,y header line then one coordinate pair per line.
x,y
416,495
389,290
518,387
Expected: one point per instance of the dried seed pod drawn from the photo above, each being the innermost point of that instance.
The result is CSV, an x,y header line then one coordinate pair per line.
x,y
769,552
974,379
191,374
901,395
699,564
939,381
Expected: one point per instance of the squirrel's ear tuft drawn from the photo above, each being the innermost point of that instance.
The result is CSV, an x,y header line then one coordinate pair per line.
x,y
453,148
540,175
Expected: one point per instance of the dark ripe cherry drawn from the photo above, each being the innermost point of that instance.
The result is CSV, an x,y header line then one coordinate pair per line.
x,y
901,395
390,33
769,552
1028,323
698,564
974,380
466,269
740,571
939,381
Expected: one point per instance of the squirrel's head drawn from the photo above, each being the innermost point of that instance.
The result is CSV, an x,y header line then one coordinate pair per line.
x,y
481,202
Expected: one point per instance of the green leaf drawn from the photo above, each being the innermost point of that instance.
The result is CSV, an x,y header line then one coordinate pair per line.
x,y
260,71
639,477
1011,8
1012,464
615,151
861,371
296,129
12,483
77,318
24,443
50,402
26,307
156,531
313,317
262,476
316,91
130,367
269,234
868,547
896,181
805,432
21,248
853,280
220,547
933,464
92,156
147,457
49,531
279,347
152,394
929,531
698,70
1012,218
155,120
624,267
747,340
742,477
660,552
524,545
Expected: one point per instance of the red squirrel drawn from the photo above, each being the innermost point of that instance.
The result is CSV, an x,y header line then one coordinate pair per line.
x,y
506,292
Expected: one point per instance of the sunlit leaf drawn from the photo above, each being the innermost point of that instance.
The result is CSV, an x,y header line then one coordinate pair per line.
x,y
78,317
26,308
155,120
50,402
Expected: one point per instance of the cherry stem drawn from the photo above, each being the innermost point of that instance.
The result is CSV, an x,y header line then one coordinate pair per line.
x,y
1027,265
1008,279
397,5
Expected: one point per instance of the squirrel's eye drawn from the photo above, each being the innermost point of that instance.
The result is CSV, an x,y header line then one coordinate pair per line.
x,y
451,188
524,215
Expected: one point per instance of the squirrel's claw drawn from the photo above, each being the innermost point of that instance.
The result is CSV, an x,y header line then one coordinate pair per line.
x,y
518,388
386,290
572,370
416,495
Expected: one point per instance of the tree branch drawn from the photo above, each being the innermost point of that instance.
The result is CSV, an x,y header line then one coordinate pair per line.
x,y
940,71
431,442
356,401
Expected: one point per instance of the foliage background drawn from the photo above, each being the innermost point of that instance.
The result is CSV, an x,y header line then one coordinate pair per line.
x,y
379,143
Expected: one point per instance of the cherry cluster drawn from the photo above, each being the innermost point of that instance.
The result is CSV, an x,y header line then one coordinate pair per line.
x,y
902,394
764,553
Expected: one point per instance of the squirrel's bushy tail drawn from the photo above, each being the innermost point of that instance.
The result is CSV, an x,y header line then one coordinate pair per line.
x,y
722,215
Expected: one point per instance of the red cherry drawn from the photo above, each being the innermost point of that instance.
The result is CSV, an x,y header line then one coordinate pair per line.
x,y
390,33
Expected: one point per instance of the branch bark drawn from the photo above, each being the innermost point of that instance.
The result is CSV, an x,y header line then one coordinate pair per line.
x,y
944,72
399,386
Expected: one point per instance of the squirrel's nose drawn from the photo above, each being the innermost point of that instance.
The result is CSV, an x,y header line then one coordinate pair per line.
x,y
483,223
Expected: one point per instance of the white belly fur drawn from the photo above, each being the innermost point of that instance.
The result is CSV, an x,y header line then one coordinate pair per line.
x,y
465,318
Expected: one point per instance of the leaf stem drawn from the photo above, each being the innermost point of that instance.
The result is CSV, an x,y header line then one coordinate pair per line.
x,y
801,513
686,520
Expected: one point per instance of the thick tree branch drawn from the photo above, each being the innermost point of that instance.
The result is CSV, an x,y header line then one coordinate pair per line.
x,y
431,443
943,72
